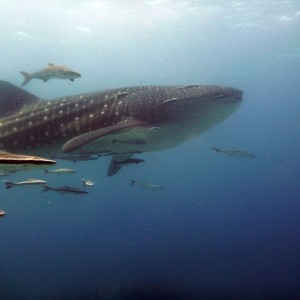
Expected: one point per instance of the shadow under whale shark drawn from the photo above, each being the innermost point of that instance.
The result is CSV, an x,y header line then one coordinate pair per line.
x,y
118,122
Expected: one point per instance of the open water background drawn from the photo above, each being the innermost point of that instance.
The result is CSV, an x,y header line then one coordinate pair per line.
x,y
221,227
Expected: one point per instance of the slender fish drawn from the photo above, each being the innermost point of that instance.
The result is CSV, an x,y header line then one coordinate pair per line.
x,y
60,171
152,187
28,182
234,152
64,190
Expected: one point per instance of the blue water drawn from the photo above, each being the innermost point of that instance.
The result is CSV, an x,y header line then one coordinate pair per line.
x,y
221,227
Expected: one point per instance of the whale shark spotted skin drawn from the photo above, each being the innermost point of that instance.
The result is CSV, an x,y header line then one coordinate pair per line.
x,y
118,122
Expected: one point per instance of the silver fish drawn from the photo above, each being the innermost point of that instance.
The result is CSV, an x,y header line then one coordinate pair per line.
x,y
234,152
28,182
87,182
60,171
152,187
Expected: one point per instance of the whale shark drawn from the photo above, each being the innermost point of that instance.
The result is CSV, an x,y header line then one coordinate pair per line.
x,y
118,122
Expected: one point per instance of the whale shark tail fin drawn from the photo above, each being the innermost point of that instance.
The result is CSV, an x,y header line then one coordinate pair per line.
x,y
27,77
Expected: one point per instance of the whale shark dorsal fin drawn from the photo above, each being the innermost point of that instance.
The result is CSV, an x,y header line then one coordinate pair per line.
x,y
88,137
14,99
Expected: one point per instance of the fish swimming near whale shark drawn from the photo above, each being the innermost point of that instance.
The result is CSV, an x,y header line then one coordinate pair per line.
x,y
116,122
51,72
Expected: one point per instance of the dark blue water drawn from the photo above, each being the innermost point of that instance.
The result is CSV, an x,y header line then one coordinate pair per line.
x,y
221,227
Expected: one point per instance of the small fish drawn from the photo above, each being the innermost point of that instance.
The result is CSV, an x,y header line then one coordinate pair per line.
x,y
60,171
75,158
234,152
10,162
152,187
130,161
64,190
2,213
28,182
52,71
87,182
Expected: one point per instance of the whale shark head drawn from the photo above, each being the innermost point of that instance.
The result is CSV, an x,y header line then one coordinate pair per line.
x,y
118,122
197,107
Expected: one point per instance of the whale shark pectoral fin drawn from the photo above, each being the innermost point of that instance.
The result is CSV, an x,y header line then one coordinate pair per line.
x,y
88,137
116,163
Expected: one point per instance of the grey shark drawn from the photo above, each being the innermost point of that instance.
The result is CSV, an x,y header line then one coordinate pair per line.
x,y
52,71
118,122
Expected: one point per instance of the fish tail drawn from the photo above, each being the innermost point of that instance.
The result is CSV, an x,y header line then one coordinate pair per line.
x,y
8,184
83,182
27,77
46,171
216,150
133,182
45,188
